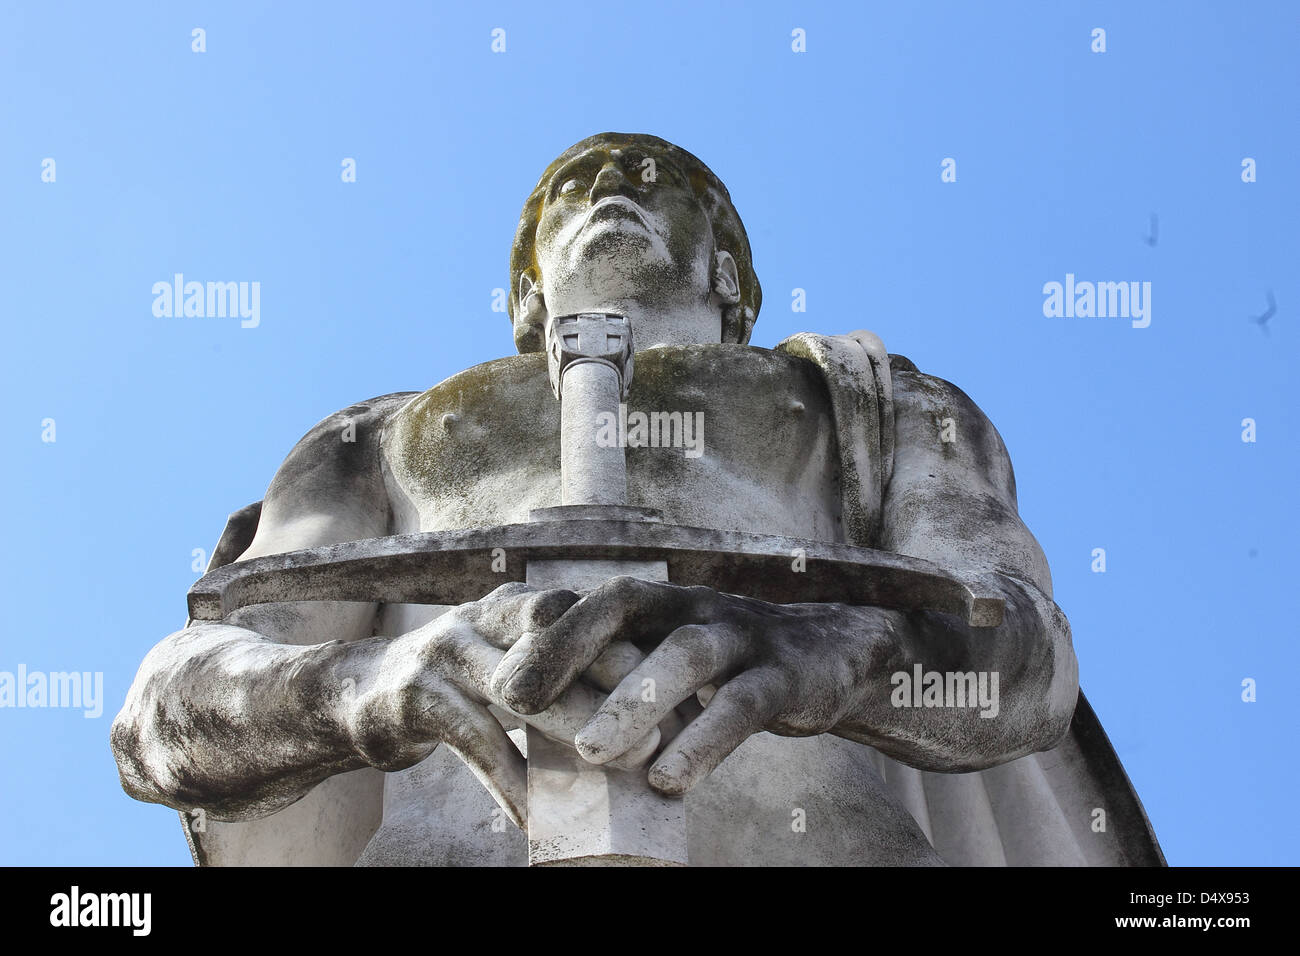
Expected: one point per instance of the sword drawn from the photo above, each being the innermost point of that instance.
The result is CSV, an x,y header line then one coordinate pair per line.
x,y
578,812
581,813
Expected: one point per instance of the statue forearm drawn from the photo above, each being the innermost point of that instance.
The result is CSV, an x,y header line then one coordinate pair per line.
x,y
1024,685
223,719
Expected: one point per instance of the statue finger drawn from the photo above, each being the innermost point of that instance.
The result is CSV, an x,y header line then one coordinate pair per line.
x,y
468,661
537,669
474,735
743,706
689,658
570,713
474,610
614,663
502,623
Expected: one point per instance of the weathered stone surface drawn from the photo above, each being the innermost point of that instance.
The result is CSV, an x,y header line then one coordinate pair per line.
x,y
579,813
455,567
328,654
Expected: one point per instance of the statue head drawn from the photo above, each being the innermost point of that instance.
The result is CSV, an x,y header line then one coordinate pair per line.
x,y
627,222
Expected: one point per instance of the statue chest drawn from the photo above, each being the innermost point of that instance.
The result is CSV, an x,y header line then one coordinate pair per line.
x,y
759,455
716,436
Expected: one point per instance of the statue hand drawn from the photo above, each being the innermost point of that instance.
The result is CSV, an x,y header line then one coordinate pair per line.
x,y
794,670
431,685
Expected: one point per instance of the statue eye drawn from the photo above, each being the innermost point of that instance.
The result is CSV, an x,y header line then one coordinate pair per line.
x,y
569,186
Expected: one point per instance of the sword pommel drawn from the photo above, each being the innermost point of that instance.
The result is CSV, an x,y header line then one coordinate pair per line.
x,y
599,337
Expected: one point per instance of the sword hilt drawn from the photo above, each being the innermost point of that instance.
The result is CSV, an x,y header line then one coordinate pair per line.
x,y
603,338
589,362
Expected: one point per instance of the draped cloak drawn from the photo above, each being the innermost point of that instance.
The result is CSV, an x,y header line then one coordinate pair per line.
x,y
1037,810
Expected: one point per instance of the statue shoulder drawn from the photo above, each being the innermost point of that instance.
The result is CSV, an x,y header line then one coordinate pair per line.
x,y
330,487
901,363
918,392
933,415
925,407
345,442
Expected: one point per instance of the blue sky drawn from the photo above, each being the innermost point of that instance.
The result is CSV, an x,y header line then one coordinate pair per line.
x,y
225,165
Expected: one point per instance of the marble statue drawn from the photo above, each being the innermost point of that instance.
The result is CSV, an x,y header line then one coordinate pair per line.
x,y
349,723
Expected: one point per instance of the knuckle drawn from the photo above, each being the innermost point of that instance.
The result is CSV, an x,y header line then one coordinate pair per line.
x,y
507,590
622,587
546,607
700,596
383,730
410,702
442,651
462,614
747,697
699,592
695,643
777,684
763,691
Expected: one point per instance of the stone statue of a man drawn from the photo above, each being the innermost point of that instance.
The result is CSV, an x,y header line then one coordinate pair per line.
x,y
341,733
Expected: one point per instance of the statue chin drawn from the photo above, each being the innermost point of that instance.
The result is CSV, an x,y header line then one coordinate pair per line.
x,y
615,272
614,240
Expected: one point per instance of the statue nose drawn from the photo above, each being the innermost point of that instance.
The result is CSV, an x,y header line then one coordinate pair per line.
x,y
610,181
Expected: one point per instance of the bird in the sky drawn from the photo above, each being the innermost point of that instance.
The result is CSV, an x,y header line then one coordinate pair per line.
x,y
1262,319
1154,235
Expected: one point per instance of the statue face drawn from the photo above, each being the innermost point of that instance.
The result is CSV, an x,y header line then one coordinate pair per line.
x,y
609,236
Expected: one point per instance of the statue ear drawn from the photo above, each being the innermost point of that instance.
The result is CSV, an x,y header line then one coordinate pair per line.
x,y
530,316
737,319
726,280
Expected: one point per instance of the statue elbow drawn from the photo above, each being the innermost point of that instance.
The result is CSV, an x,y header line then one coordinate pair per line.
x,y
1043,711
146,766
125,739
1062,693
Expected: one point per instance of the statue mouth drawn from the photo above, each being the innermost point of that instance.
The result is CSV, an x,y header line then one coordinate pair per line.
x,y
617,207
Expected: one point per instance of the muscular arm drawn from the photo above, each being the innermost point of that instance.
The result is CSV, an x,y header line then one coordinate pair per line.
x,y
954,502
244,717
